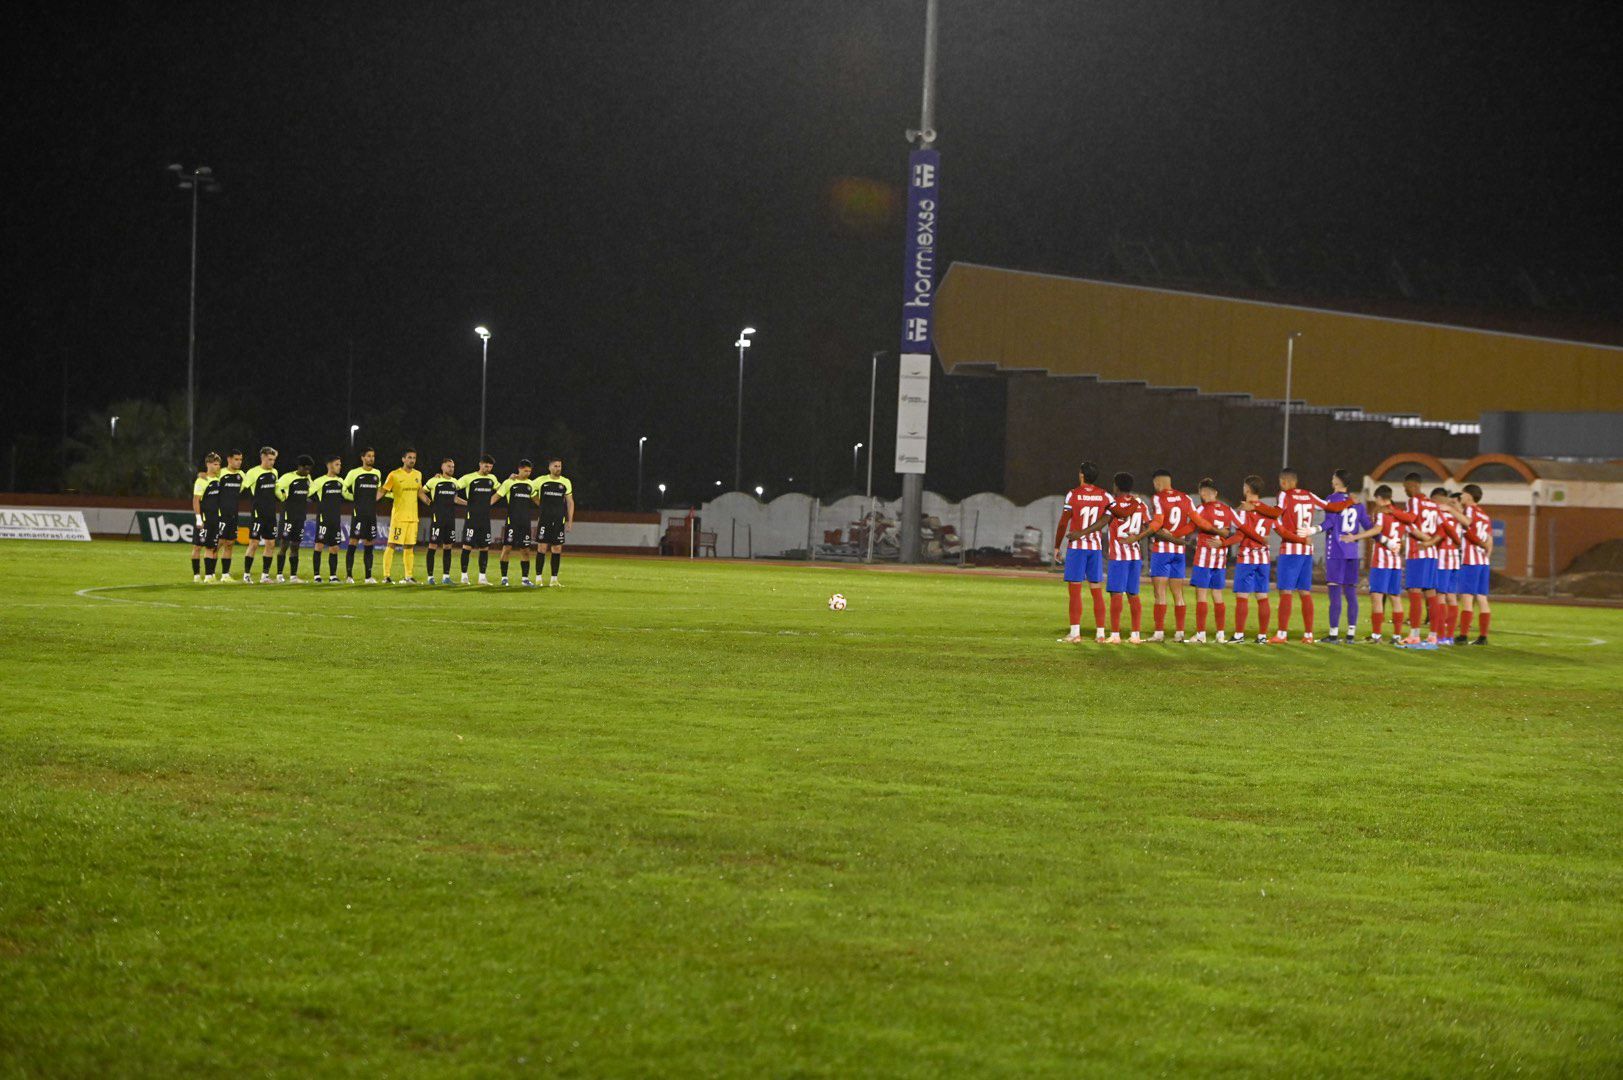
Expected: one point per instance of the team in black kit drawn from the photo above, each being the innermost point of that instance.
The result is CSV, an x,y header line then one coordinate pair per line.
x,y
280,503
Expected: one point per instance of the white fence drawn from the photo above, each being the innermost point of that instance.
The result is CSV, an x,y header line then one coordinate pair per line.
x,y
790,526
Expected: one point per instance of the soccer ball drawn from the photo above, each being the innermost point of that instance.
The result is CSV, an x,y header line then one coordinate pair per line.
x,y
836,602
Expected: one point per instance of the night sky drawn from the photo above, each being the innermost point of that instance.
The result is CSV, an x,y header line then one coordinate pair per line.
x,y
616,188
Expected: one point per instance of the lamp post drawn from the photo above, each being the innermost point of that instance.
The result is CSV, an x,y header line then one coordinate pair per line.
x,y
855,451
114,433
661,494
873,388
484,367
639,473
1290,357
353,428
760,492
199,180
743,343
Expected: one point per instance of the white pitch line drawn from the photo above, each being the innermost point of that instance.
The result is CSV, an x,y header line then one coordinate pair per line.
x,y
95,592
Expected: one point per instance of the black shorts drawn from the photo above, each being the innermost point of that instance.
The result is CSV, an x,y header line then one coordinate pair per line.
x,y
517,536
442,533
551,532
329,533
263,526
476,534
363,528
219,532
203,535
291,530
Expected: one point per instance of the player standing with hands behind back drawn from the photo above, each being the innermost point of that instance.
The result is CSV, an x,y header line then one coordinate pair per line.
x,y
557,516
361,489
441,496
403,485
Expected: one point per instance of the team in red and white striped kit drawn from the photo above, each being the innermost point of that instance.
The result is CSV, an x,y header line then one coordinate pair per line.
x,y
1436,547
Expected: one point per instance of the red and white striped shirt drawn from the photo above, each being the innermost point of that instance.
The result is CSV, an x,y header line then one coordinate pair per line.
x,y
1429,520
1296,509
1130,518
1448,548
1250,552
1174,508
1210,554
1477,532
1083,507
1394,525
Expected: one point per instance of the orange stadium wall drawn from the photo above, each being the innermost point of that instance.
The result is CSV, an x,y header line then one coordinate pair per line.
x,y
1070,326
1575,529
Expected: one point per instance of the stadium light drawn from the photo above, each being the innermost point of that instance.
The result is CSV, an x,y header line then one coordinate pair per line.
x,y
742,343
114,426
484,368
199,181
873,387
353,428
639,473
1290,356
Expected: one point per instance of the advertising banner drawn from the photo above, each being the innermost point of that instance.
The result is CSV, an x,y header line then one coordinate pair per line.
x,y
175,527
35,523
918,310
912,412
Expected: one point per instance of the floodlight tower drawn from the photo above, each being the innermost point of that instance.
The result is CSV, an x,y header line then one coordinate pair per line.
x,y
484,368
742,343
197,181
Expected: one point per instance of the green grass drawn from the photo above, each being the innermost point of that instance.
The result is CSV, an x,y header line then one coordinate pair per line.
x,y
679,818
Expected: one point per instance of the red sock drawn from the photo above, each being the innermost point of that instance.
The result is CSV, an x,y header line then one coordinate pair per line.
x,y
1284,611
1137,608
1075,589
1416,600
1221,609
1242,605
1200,617
1436,615
1453,618
1098,607
1178,611
1307,612
1397,622
1160,617
1486,615
1377,618
1115,613
1465,623
1262,616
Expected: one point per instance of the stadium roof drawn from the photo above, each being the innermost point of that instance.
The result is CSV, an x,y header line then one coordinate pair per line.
x,y
1016,320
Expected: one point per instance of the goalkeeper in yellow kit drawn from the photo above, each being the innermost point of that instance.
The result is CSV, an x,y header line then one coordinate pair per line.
x,y
403,485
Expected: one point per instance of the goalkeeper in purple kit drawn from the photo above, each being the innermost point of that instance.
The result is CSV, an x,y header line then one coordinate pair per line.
x,y
1342,519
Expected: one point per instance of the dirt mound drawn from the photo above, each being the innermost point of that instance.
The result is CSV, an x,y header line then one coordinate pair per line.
x,y
1604,557
1595,585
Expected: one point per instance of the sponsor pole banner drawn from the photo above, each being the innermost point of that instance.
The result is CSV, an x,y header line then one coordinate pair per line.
x,y
1496,557
918,311
33,523
912,412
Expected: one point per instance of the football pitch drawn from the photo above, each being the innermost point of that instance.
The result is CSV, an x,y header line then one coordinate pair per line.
x,y
679,818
